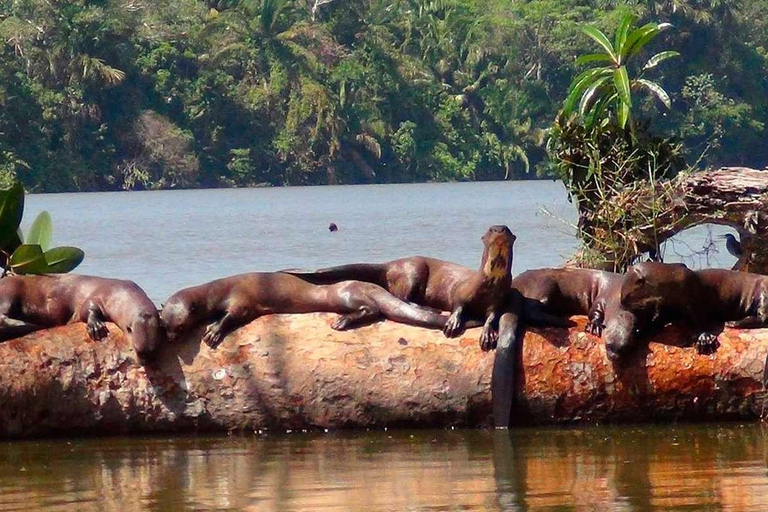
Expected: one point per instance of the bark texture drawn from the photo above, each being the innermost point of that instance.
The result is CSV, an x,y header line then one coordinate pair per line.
x,y
731,196
295,372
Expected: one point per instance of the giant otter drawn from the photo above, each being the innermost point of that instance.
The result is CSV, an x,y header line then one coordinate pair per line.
x,y
235,301
705,298
31,303
440,284
551,295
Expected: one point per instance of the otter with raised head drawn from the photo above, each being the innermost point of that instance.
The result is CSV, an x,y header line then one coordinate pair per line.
x,y
479,295
31,303
229,303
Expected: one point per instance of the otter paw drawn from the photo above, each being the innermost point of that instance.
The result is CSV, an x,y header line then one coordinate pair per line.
x,y
213,336
452,327
488,340
594,328
706,343
341,323
97,330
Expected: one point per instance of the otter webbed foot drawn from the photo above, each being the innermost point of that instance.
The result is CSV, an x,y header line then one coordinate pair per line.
x,y
594,328
97,329
488,339
706,343
214,335
455,324
342,323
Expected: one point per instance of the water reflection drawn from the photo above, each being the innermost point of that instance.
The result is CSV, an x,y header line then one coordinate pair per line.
x,y
605,468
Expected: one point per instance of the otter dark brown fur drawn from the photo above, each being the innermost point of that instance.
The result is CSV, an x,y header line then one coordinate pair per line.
x,y
551,295
31,303
706,299
226,304
442,285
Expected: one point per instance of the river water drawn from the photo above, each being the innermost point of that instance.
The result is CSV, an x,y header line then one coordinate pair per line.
x,y
171,239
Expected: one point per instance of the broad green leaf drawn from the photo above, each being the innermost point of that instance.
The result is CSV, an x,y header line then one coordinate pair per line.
x,y
28,259
41,231
581,82
589,95
621,33
593,57
603,41
656,90
634,36
659,57
621,80
11,211
61,260
622,114
645,39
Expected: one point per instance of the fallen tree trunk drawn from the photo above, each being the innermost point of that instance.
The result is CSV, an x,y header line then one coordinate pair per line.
x,y
294,372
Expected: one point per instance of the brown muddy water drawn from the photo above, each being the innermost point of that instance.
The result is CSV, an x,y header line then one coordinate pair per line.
x,y
171,239
711,467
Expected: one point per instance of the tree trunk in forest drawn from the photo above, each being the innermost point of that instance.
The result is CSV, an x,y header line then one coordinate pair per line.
x,y
294,372
731,196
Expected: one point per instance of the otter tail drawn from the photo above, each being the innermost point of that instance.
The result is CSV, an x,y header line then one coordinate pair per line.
x,y
399,311
368,272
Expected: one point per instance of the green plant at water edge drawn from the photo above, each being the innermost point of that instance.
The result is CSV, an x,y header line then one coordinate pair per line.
x,y
599,88
607,160
33,255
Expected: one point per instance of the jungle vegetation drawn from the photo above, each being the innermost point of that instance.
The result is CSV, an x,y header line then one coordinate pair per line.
x,y
133,94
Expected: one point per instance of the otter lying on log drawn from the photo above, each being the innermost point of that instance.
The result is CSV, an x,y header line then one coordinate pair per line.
x,y
705,299
441,285
295,372
226,304
31,303
551,295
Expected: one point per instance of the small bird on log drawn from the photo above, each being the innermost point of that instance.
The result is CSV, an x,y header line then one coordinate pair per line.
x,y
733,245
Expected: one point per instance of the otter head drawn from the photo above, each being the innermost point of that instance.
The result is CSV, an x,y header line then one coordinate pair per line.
x,y
646,285
620,334
177,317
145,332
497,255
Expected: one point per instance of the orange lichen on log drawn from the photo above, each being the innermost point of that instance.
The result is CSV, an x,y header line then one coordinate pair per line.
x,y
295,372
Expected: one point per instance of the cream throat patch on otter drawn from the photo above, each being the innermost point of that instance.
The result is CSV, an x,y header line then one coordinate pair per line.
x,y
496,263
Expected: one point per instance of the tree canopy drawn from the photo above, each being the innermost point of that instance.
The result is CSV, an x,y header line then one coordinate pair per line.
x,y
126,94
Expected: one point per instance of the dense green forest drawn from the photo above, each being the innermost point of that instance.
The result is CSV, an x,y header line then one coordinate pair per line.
x,y
130,94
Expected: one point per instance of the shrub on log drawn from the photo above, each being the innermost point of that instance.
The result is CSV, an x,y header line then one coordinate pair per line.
x,y
295,372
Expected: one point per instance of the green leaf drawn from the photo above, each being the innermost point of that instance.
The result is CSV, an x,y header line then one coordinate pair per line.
x,y
580,83
41,231
61,260
622,114
659,57
11,211
656,90
634,36
621,33
645,38
28,259
603,41
589,95
593,57
621,80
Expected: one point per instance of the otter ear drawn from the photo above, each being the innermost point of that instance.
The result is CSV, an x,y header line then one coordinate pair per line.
x,y
640,279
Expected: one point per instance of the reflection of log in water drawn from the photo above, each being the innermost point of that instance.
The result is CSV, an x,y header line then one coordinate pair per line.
x,y
293,371
592,469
